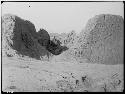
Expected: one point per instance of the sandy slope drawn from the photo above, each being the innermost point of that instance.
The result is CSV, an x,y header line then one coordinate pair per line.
x,y
19,75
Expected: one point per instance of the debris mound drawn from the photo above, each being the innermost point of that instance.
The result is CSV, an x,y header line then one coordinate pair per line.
x,y
102,40
19,37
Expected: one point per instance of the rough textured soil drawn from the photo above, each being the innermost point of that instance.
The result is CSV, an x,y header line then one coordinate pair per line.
x,y
37,76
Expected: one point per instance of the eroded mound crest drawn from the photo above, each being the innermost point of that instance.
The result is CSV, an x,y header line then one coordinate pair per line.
x,y
19,37
103,40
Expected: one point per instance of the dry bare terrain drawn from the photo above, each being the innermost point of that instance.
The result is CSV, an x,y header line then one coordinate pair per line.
x,y
21,75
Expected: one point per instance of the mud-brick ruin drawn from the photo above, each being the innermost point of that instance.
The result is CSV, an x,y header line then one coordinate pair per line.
x,y
101,41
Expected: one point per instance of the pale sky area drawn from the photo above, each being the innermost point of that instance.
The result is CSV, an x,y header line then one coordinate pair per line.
x,y
61,17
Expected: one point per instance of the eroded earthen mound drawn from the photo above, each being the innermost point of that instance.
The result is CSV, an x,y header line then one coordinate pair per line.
x,y
102,40
19,37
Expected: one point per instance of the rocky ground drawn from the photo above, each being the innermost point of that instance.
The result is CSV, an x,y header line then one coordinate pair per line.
x,y
38,76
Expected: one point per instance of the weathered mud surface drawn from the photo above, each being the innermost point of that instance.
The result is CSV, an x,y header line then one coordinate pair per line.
x,y
19,37
38,76
101,41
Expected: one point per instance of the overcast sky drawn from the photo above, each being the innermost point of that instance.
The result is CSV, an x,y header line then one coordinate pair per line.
x,y
61,16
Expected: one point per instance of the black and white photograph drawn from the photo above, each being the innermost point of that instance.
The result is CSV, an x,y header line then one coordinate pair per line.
x,y
62,46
